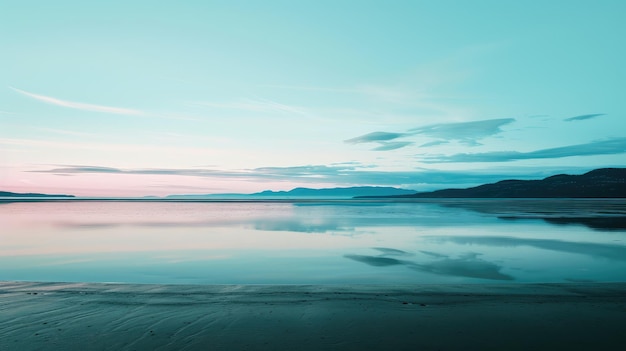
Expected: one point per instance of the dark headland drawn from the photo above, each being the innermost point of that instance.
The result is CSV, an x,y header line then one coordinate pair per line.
x,y
10,194
599,183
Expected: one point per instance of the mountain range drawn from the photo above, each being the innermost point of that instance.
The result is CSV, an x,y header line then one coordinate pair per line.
x,y
599,183
347,193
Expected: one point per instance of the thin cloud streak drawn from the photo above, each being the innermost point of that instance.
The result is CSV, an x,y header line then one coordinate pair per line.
x,y
434,143
80,105
463,131
331,174
394,145
374,137
605,147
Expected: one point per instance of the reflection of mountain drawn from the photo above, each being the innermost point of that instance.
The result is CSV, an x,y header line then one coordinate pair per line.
x,y
310,193
10,194
599,183
600,214
601,223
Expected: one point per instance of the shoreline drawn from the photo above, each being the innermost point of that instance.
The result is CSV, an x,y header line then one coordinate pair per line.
x,y
99,316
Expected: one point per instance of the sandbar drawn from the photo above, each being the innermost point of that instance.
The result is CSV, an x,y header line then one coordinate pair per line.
x,y
89,316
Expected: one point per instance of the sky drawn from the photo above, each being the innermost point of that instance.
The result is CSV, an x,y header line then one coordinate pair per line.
x,y
134,98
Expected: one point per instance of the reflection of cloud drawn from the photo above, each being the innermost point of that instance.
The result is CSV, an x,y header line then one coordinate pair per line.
x,y
609,251
392,252
465,266
584,117
296,225
80,105
606,147
468,266
433,254
376,261
300,225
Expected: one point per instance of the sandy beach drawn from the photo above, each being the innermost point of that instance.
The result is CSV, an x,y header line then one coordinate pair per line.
x,y
64,316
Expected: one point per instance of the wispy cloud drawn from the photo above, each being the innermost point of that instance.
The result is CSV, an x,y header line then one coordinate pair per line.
x,y
605,147
584,117
344,174
467,133
434,143
374,137
80,105
388,146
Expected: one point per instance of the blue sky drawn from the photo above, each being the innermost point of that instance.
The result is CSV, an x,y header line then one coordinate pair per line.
x,y
139,98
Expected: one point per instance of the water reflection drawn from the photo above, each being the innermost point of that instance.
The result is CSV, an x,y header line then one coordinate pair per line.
x,y
467,265
598,223
309,243
301,226
377,261
392,252
598,250
598,214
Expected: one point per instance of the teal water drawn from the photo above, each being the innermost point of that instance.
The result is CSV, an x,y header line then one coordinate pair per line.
x,y
314,242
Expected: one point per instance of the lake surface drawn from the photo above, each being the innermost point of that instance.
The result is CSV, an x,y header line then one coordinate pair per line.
x,y
314,242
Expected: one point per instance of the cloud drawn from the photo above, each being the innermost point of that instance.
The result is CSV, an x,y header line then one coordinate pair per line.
x,y
80,105
605,147
340,174
467,132
584,117
434,143
387,146
464,132
375,137
89,169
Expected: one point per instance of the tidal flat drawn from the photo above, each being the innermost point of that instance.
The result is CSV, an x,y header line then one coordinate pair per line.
x,y
345,275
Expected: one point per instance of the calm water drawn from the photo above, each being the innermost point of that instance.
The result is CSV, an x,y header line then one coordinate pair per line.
x,y
472,241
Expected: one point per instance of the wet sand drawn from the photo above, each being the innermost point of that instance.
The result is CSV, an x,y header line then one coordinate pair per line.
x,y
58,316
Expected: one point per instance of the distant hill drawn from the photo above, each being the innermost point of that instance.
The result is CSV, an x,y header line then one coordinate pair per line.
x,y
599,183
338,192
308,193
10,194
